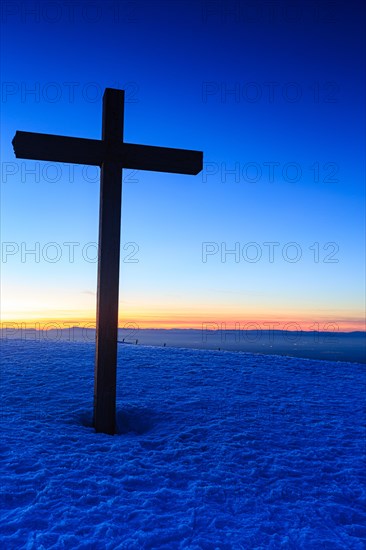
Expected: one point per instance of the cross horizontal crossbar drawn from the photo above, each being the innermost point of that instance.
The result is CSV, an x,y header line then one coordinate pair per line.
x,y
50,147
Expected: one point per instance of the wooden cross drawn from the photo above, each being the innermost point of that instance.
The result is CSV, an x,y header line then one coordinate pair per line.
x,y
112,154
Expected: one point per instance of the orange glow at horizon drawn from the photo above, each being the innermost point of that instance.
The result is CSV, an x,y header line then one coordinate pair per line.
x,y
292,322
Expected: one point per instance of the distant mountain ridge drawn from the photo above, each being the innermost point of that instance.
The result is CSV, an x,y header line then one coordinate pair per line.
x,y
334,346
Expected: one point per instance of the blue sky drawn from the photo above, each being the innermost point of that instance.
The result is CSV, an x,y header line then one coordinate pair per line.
x,y
273,93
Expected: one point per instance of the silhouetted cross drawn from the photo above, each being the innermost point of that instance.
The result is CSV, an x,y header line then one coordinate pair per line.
x,y
112,155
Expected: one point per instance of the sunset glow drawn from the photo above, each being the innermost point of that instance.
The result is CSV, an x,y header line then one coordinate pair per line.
x,y
273,229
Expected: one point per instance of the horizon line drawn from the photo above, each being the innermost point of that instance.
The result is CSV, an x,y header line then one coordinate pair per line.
x,y
23,326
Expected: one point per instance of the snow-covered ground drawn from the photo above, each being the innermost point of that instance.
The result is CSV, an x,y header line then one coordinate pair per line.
x,y
216,450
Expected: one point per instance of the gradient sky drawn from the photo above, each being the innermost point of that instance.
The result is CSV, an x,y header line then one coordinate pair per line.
x,y
274,96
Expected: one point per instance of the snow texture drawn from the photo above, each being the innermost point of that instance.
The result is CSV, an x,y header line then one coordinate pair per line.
x,y
215,450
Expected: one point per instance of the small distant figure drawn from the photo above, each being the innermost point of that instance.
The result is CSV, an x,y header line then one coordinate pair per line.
x,y
136,342
164,344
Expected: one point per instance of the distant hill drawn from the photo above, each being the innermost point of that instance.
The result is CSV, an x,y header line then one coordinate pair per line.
x,y
337,346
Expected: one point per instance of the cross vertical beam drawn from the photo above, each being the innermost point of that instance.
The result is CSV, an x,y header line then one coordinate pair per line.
x,y
108,266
